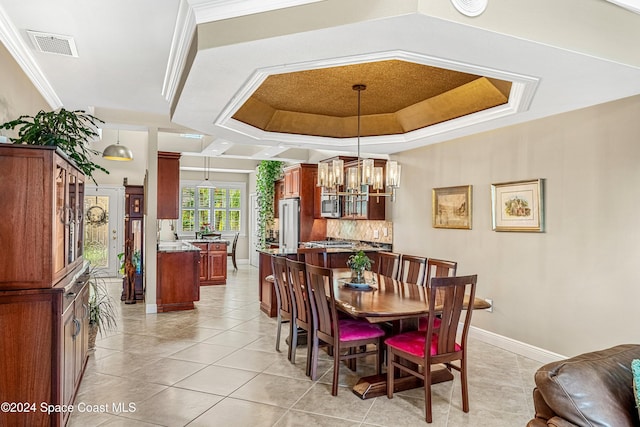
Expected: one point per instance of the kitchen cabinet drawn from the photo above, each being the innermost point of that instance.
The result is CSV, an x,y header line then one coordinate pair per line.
x,y
213,263
42,197
292,181
300,181
168,185
43,281
133,240
178,278
278,194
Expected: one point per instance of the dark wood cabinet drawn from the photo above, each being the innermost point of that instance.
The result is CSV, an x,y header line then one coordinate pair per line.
x,y
43,282
278,194
168,185
178,280
134,238
300,181
213,263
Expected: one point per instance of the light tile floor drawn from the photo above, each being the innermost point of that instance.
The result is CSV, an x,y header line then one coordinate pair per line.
x,y
217,366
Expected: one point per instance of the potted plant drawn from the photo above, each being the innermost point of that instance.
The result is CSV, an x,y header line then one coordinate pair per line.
x,y
358,263
71,131
102,317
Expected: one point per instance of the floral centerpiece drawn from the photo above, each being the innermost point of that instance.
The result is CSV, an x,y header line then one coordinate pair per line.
x,y
358,263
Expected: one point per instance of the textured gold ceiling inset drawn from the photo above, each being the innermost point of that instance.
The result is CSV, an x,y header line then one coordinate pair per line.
x,y
400,97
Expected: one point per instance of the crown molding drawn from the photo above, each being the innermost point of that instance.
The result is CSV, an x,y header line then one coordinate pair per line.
x,y
180,43
194,12
216,10
15,44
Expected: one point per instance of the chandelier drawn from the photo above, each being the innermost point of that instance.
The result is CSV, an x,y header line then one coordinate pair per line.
x,y
364,175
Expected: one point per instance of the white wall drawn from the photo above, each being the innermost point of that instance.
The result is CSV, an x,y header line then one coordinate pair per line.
x,y
575,287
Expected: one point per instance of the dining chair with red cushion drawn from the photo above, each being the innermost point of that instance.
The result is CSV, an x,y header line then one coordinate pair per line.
x,y
302,316
283,297
437,268
409,351
346,336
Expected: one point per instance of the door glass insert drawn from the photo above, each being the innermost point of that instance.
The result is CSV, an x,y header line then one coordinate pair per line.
x,y
96,230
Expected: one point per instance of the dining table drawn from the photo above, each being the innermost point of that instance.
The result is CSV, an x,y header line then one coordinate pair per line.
x,y
398,304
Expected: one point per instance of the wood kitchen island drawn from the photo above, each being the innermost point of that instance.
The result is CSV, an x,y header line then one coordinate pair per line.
x,y
178,276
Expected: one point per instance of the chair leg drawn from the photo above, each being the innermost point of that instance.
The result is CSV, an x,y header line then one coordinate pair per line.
x,y
336,371
233,259
293,342
314,357
427,393
463,380
390,376
279,320
380,357
309,353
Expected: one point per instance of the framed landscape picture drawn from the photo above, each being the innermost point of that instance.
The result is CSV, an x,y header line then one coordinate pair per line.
x,y
451,207
518,206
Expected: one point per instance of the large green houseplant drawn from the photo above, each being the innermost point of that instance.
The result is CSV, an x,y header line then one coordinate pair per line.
x,y
71,131
102,315
268,172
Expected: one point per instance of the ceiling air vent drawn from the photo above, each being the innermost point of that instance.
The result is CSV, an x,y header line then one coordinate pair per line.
x,y
470,7
53,43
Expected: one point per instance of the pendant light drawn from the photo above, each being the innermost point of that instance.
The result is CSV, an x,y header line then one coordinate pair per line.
x,y
117,152
365,173
206,183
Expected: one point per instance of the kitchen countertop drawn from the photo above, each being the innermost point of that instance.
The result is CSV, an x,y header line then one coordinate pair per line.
x,y
176,246
205,241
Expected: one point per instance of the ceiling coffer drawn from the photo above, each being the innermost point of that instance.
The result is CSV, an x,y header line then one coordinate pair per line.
x,y
53,43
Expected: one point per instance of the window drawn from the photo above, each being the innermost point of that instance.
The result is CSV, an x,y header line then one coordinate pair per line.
x,y
219,209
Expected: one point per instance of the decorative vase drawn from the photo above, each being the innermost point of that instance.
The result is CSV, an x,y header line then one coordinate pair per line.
x,y
357,275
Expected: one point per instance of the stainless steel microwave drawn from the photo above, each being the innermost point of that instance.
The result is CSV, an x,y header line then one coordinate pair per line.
x,y
330,206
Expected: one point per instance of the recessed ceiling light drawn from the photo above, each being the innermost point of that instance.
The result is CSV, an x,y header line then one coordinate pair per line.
x,y
470,7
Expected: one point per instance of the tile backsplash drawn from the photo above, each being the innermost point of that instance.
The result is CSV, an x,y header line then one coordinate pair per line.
x,y
369,231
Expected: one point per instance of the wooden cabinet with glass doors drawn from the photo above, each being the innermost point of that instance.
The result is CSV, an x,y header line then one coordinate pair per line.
x,y
42,278
42,209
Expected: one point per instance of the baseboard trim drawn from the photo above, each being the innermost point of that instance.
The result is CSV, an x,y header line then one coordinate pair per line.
x,y
151,308
514,346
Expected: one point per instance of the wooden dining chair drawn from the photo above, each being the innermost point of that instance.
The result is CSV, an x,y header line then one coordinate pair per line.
x,y
302,315
437,268
284,311
435,345
388,264
346,336
440,268
413,269
313,256
232,252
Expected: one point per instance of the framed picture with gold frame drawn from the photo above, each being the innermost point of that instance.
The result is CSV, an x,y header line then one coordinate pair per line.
x,y
451,207
518,206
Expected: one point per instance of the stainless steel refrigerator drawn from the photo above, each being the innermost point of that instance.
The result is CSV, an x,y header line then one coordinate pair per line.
x,y
289,213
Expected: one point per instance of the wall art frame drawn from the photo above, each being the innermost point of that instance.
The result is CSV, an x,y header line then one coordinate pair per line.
x,y
451,207
518,206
